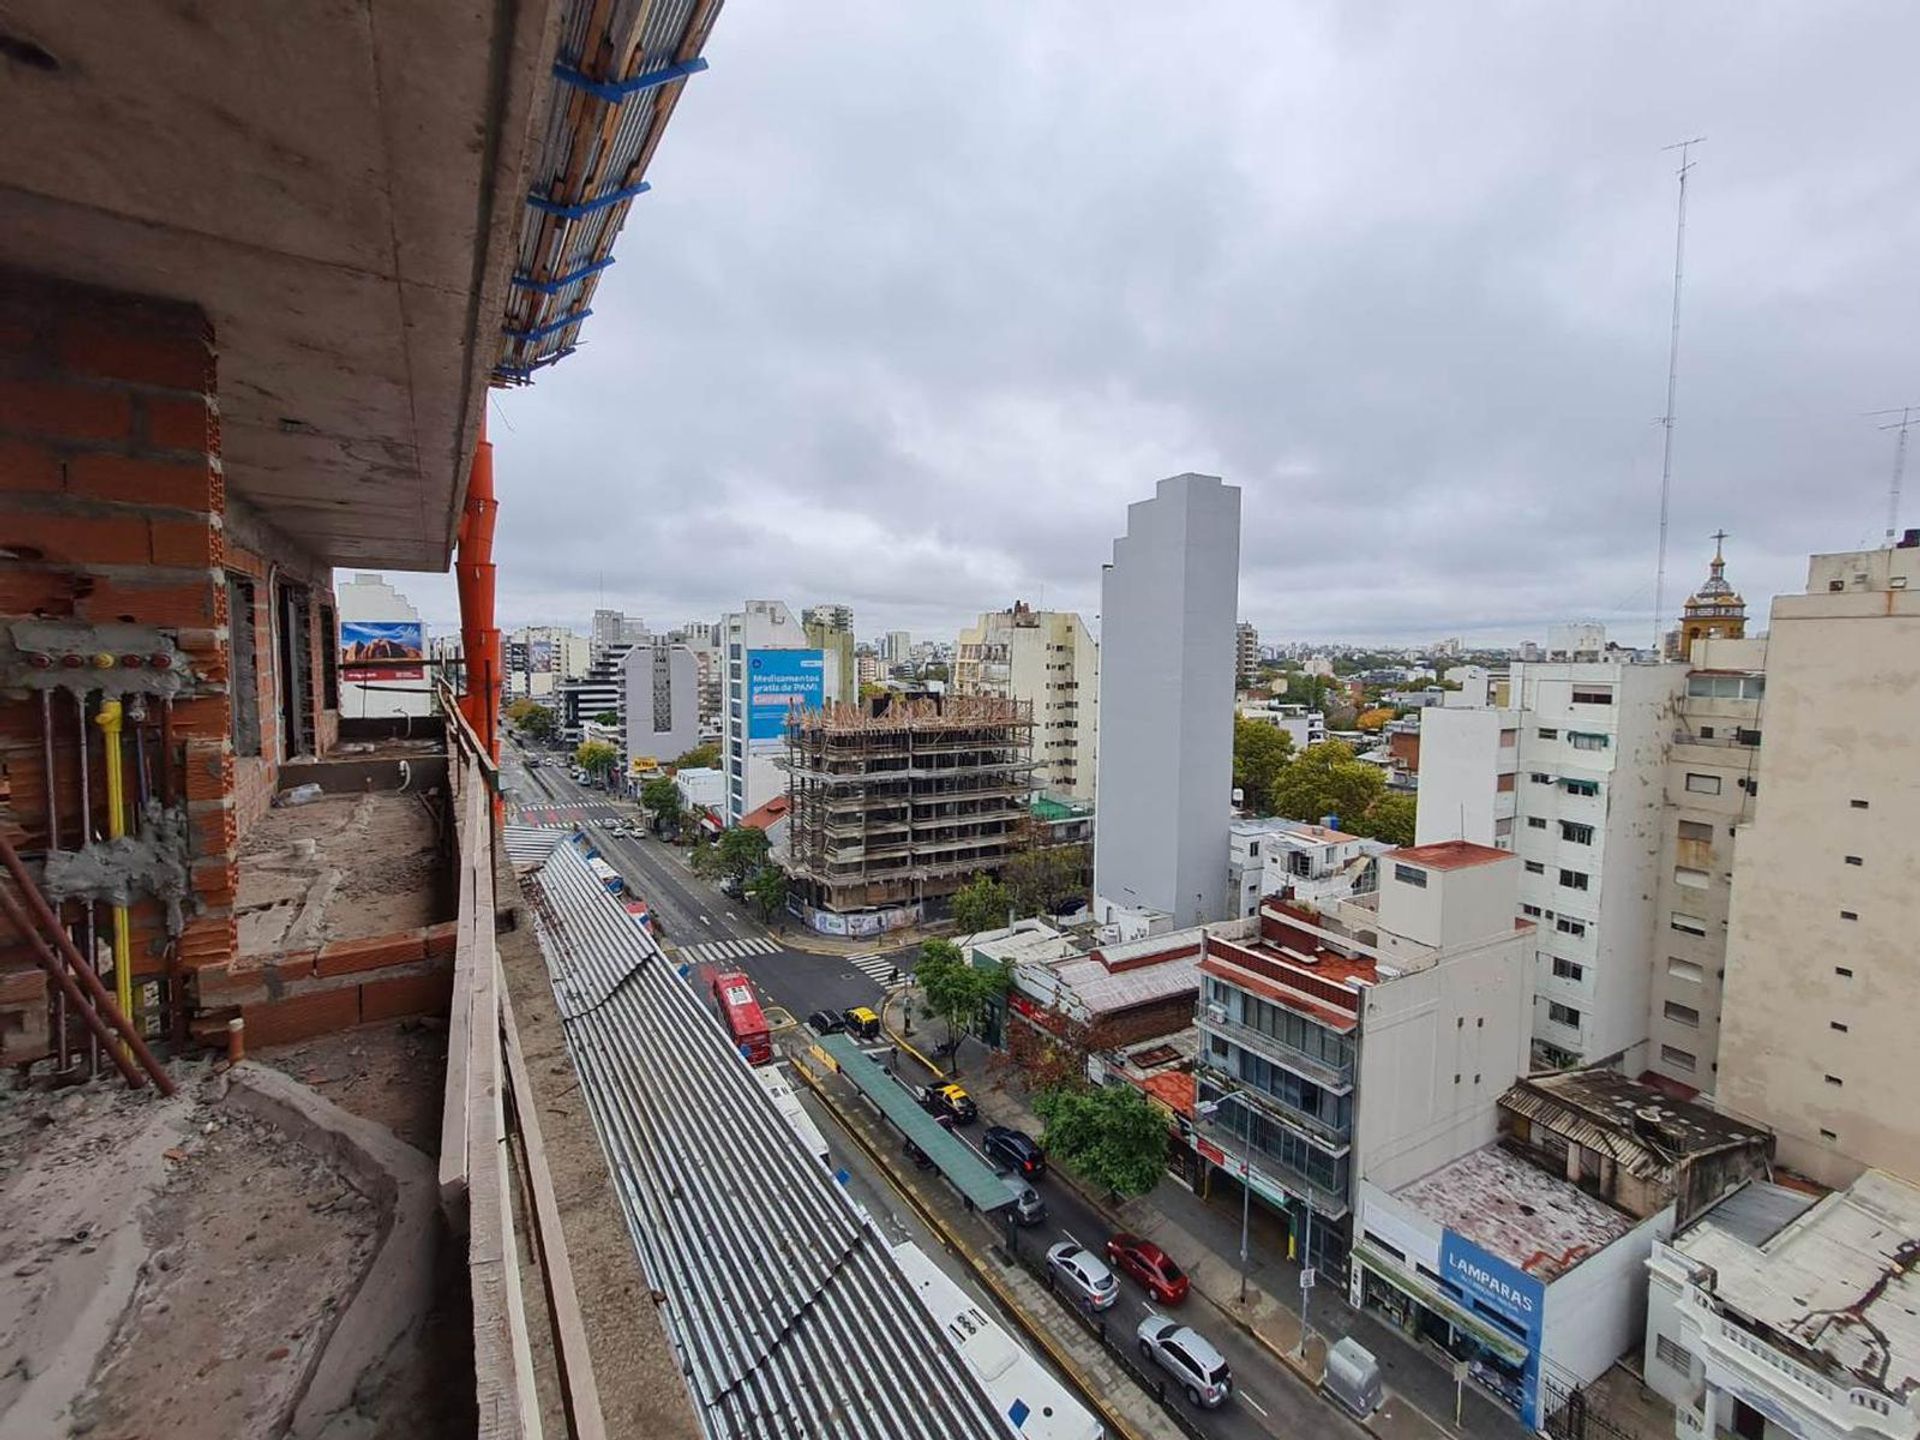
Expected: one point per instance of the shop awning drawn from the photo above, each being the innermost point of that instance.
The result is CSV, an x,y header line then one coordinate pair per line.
x,y
1484,1331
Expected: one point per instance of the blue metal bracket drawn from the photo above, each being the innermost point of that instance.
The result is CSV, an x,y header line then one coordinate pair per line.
x,y
540,332
554,287
586,207
524,373
614,91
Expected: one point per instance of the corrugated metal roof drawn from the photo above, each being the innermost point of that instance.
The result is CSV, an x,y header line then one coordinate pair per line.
x,y
789,1312
532,844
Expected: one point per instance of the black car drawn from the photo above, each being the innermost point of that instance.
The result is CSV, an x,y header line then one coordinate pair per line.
x,y
826,1022
1015,1149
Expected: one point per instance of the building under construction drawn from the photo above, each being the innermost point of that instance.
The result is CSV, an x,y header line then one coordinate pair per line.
x,y
905,798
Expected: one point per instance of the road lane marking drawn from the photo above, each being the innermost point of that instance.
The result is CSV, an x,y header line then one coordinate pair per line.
x,y
1254,1403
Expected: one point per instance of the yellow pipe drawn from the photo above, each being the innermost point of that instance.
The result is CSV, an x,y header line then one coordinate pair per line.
x,y
108,719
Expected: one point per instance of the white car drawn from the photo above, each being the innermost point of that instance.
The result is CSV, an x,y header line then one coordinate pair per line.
x,y
1083,1275
1189,1357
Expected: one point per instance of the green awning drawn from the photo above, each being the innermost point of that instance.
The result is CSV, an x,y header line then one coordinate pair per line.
x,y
962,1166
1503,1345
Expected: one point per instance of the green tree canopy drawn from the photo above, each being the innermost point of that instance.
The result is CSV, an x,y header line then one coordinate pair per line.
x,y
742,850
1260,752
1045,880
954,990
767,891
607,717
534,718
981,904
1325,779
701,757
1111,1134
1390,818
597,757
705,859
660,798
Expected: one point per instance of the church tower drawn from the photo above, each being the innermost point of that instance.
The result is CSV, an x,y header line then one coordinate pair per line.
x,y
1715,609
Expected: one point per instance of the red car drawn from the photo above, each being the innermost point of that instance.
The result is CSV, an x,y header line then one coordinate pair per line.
x,y
1150,1265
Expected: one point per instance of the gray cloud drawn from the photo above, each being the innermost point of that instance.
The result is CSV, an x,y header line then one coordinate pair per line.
x,y
924,296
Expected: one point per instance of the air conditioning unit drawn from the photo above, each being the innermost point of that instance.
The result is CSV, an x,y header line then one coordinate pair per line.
x,y
1216,1012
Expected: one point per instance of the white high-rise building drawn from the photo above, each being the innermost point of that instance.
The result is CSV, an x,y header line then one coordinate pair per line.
x,y
1246,654
1571,778
612,630
769,667
541,658
899,647
663,704
1169,602
1046,657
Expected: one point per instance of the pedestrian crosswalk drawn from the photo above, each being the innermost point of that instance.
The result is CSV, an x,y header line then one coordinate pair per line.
x,y
713,950
878,968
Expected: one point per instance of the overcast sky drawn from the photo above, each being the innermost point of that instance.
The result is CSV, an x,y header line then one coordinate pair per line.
x,y
925,294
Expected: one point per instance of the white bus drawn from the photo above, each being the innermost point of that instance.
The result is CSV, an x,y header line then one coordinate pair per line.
x,y
791,1110
1034,1404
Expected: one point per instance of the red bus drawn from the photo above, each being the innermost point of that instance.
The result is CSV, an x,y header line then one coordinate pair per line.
x,y
740,1014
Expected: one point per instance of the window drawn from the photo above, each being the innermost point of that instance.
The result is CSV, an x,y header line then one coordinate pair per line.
x,y
1536,822
1849,915
1673,1355
1686,924
1826,1134
1835,1081
1679,1059
1585,740
1592,695
1534,867
1700,784
246,661
1726,687
1531,911
1859,804
1567,926
1581,787
1837,1025
1563,1014
1746,737
1410,875
1694,830
1576,834
1855,860
1679,969
1574,879
1545,734
1682,1014
1540,777
1691,878
329,659
1706,732
1843,972
1253,849
1568,970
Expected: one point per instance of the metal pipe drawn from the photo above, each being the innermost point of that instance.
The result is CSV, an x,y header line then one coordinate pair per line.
x,y
62,1056
166,750
110,720
89,981
86,839
50,962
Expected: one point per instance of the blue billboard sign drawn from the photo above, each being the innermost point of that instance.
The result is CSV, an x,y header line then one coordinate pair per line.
x,y
777,680
1504,1291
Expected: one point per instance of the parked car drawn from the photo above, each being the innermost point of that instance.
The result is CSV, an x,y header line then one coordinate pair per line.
x,y
1083,1275
1189,1357
862,1022
826,1022
1150,1265
1028,1207
949,1100
1014,1148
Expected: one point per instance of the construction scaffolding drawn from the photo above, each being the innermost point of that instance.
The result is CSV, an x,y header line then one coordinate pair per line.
x,y
904,798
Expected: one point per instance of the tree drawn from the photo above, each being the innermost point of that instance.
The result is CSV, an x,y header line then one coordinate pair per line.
x,y
533,718
981,904
871,691
767,890
701,757
1111,1134
1260,753
597,757
1390,818
1045,880
607,717
660,798
742,850
705,859
1375,718
955,991
1325,779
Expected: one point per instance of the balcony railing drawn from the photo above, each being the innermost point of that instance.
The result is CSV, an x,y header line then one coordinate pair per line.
x,y
1337,1078
1274,1171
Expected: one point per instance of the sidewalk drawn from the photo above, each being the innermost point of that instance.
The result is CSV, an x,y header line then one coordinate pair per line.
x,y
1205,1236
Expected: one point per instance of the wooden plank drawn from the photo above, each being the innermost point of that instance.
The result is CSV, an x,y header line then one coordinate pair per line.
x,y
582,1392
455,1122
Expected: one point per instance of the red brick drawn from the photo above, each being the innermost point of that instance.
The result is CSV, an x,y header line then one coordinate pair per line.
x,y
26,466
348,957
167,604
26,986
176,424
108,349
184,542
294,966
284,1021
406,995
82,539
64,412
442,940
181,485
27,592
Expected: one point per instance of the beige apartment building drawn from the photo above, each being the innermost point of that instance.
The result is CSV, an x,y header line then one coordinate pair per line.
x,y
1047,658
1822,1009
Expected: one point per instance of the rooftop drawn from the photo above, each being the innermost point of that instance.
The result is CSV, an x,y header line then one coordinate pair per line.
x,y
1517,1211
1450,855
1641,1127
1838,1283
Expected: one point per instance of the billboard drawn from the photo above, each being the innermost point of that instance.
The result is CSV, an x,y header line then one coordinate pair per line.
x,y
1492,1286
776,681
382,650
540,657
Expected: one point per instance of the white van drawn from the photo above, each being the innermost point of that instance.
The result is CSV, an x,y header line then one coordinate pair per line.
x,y
1353,1377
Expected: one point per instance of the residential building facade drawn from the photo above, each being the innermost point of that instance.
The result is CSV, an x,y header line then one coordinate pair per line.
x,y
612,629
540,658
763,678
1267,856
1823,976
1246,655
830,630
1165,764
1047,658
662,705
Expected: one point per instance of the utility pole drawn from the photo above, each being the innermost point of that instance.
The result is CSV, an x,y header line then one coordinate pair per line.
x,y
1905,412
1673,384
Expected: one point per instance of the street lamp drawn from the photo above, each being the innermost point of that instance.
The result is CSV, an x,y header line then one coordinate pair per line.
x,y
1208,1109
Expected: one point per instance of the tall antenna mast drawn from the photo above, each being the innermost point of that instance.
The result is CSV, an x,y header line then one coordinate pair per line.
x,y
1905,412
1673,383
